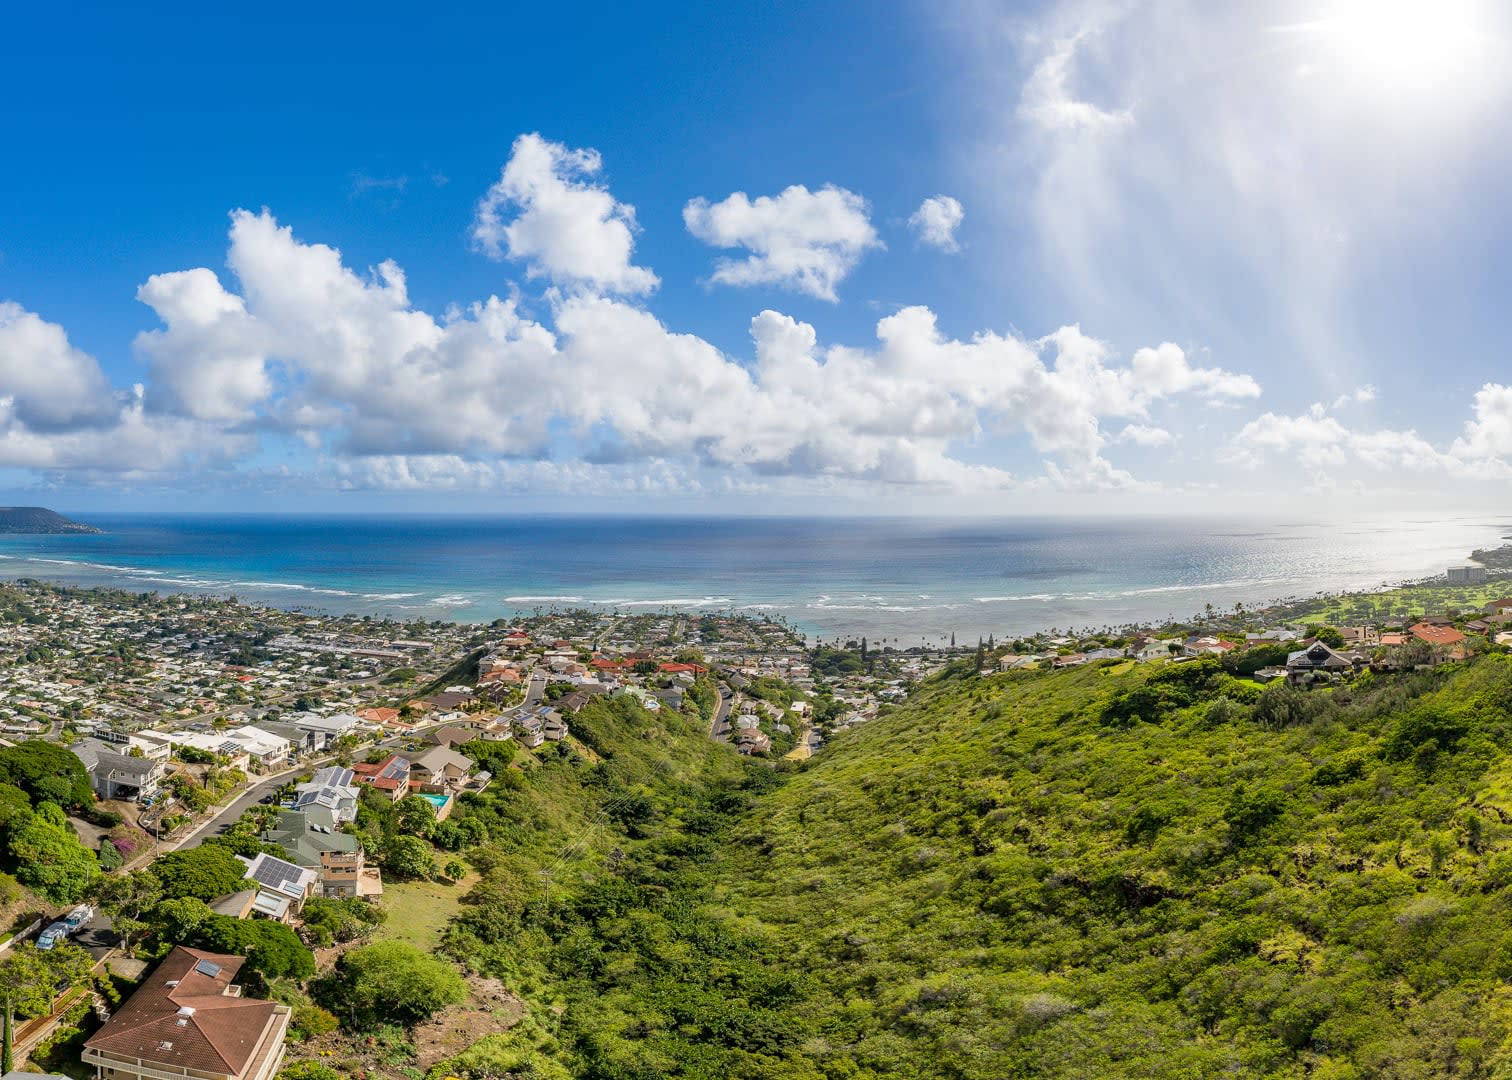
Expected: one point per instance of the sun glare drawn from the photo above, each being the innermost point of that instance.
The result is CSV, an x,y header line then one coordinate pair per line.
x,y
1402,44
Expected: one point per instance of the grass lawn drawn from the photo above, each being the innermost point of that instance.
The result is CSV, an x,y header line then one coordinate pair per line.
x,y
1402,603
418,911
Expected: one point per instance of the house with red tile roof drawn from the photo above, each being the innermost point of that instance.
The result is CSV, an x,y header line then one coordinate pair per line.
x,y
390,776
382,716
1435,634
188,1018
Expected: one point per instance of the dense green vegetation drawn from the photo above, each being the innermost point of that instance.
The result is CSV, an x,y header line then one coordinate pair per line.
x,y
1024,876
1157,872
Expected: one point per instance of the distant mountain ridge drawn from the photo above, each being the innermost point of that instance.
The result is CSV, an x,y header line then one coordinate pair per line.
x,y
38,519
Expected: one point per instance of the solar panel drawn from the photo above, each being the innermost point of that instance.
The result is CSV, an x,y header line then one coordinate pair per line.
x,y
205,967
276,874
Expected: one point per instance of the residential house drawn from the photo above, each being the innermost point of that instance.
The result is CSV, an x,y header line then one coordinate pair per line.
x,y
1160,649
390,776
1441,636
313,839
322,731
213,742
188,1019
554,726
301,740
263,747
449,700
529,726
333,789
237,905
1210,646
381,717
441,770
282,887
752,741
115,775
452,735
1317,657
151,744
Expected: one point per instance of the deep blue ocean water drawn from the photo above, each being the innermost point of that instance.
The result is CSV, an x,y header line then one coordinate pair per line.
x,y
889,578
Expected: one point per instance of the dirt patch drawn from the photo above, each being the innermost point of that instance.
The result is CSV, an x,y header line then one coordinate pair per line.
x,y
490,1009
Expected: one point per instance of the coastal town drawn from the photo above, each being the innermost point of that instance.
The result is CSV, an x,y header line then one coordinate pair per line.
x,y
255,748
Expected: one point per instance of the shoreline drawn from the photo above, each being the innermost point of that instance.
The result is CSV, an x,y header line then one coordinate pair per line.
x,y
1284,608
834,581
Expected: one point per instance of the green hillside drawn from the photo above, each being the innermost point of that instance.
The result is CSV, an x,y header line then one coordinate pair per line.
x,y
1163,873
1009,878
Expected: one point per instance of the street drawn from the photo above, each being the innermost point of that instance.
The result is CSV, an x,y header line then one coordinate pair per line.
x,y
719,727
536,689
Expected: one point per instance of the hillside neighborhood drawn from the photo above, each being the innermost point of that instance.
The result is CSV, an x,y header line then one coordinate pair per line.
x,y
206,800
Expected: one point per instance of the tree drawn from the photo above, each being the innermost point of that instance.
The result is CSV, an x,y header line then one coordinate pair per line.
x,y
392,982
15,809
47,772
409,856
455,869
415,816
178,920
126,898
49,858
204,873
33,978
328,920
271,948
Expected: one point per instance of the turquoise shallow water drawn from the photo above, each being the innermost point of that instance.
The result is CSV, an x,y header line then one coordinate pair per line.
x,y
896,579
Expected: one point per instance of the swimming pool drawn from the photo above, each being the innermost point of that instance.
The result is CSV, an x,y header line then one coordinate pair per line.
x,y
438,801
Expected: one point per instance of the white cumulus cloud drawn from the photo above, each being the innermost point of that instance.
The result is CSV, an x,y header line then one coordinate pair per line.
x,y
546,210
210,363
802,240
936,220
45,382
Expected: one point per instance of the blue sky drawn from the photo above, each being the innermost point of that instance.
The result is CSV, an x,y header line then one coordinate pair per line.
x,y
958,256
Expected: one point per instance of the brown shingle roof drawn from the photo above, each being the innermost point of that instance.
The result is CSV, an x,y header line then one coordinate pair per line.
x,y
220,1034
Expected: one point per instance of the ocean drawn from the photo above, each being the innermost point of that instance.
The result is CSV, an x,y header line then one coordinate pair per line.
x,y
900,580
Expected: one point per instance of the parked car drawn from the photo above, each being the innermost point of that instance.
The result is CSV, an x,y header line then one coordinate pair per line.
x,y
78,917
50,937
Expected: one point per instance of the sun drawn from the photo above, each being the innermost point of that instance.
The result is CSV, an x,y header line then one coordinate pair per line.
x,y
1401,44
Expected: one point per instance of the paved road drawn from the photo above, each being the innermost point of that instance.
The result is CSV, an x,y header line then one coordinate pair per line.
x,y
536,689
719,727
97,937
250,798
